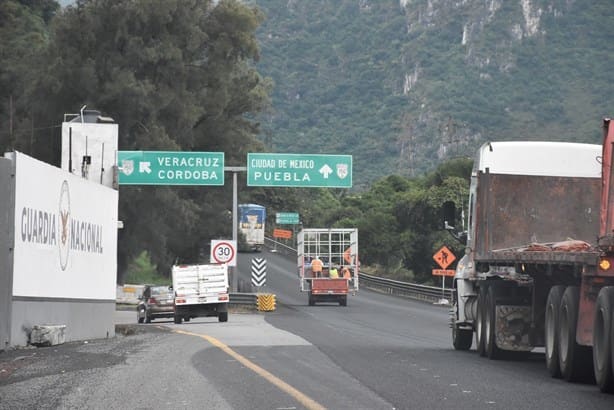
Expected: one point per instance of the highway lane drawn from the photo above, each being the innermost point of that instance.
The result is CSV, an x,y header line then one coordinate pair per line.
x,y
401,351
379,352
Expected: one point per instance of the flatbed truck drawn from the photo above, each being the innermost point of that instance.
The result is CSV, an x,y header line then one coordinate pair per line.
x,y
335,247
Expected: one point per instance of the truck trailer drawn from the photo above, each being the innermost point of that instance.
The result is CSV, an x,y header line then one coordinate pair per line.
x,y
252,218
335,247
539,255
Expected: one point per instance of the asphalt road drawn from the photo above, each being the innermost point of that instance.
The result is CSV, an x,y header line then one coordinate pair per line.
x,y
401,350
379,352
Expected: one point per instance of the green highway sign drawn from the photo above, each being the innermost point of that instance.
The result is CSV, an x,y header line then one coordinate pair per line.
x,y
288,218
170,168
299,170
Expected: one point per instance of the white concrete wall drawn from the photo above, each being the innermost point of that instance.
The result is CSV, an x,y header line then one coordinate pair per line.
x,y
64,252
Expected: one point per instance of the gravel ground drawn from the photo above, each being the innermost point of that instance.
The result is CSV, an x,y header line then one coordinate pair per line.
x,y
43,377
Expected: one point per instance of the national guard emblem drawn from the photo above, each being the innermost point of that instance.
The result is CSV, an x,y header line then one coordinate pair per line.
x,y
64,211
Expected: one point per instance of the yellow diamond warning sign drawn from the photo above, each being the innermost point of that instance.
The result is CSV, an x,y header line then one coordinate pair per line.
x,y
444,257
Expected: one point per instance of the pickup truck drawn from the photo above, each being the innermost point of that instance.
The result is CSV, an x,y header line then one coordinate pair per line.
x,y
200,290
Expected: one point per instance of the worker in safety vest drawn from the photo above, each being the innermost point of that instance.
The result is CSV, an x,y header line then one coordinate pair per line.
x,y
345,273
316,267
333,273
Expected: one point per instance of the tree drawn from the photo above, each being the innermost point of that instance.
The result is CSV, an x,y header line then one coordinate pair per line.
x,y
23,30
175,75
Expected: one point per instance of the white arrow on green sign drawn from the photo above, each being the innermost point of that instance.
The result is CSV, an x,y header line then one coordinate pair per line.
x,y
170,168
299,170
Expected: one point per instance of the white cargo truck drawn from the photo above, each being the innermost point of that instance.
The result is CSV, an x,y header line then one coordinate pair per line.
x,y
200,290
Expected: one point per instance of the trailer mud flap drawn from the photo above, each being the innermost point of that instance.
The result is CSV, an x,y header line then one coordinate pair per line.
x,y
513,324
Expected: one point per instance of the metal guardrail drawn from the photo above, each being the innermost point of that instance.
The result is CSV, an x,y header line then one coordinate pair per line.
x,y
387,286
237,298
405,289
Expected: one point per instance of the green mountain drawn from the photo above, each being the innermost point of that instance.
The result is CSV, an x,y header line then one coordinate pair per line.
x,y
404,85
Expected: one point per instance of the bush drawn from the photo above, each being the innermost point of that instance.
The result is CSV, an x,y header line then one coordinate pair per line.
x,y
142,271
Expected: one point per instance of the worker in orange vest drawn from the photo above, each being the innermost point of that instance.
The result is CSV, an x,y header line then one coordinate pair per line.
x,y
345,273
316,267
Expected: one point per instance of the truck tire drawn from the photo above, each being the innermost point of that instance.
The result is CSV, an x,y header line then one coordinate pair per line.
x,y
177,319
462,339
551,330
602,343
311,300
575,360
343,300
222,317
479,323
490,331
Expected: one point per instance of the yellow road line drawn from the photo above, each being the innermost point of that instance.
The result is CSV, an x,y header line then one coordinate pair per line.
x,y
274,380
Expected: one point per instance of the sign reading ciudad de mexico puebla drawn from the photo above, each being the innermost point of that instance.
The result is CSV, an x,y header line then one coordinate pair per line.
x,y
170,168
299,170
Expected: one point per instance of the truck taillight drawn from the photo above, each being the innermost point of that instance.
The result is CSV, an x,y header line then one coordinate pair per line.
x,y
223,296
180,300
604,264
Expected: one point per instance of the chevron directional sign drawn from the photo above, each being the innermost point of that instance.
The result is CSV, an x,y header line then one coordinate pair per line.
x,y
258,271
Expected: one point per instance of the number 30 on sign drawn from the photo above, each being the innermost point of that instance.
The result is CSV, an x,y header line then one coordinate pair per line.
x,y
223,251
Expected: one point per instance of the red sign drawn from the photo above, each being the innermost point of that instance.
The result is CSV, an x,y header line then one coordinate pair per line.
x,y
443,272
282,233
444,257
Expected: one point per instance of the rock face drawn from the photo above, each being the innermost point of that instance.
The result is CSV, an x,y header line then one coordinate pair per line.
x,y
403,85
47,335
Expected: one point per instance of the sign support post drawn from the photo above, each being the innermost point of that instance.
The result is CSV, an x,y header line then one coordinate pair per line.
x,y
235,215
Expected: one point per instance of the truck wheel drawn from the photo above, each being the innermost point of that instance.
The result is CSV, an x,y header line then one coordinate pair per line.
x,y
490,332
178,319
462,339
343,301
575,360
551,330
222,317
479,323
311,301
602,343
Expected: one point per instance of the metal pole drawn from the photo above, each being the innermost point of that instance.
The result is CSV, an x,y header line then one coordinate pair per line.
x,y
443,287
233,272
235,279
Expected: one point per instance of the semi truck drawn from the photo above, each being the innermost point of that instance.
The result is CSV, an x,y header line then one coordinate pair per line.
x,y
200,290
252,218
336,248
538,268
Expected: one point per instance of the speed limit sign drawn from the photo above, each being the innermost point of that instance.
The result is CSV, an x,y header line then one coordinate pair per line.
x,y
223,251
